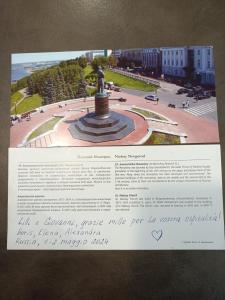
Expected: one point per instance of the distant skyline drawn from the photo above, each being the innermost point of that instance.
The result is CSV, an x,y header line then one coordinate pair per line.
x,y
18,58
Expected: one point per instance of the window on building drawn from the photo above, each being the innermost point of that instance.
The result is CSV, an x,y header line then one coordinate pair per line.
x,y
172,62
177,52
199,63
168,62
164,61
208,51
181,62
199,52
177,62
208,64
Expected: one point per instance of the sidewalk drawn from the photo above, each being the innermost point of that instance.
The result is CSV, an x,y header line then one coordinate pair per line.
x,y
198,130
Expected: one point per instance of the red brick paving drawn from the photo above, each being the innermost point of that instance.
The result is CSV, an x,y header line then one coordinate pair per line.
x,y
198,129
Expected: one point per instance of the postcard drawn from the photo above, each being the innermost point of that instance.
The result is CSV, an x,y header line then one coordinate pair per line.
x,y
115,149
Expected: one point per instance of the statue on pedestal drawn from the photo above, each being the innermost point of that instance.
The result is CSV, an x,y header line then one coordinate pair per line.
x,y
101,76
102,125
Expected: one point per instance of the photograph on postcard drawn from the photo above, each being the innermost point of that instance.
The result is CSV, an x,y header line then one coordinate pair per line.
x,y
139,96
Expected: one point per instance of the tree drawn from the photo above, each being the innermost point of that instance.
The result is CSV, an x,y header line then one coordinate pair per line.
x,y
123,62
61,89
57,83
112,61
31,86
70,92
82,61
49,90
81,91
99,61
132,65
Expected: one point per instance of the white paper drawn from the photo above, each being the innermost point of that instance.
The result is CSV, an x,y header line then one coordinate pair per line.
x,y
116,198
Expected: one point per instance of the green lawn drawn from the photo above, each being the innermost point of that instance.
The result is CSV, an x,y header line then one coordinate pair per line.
x,y
158,138
15,97
127,82
124,81
149,114
47,126
29,103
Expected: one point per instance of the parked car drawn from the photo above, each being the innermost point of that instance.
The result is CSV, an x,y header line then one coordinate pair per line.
x,y
182,91
152,97
207,94
203,95
188,85
199,97
197,89
117,89
122,99
110,85
190,94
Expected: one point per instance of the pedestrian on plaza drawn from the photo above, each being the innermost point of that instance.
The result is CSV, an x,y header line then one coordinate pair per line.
x,y
157,100
183,103
187,103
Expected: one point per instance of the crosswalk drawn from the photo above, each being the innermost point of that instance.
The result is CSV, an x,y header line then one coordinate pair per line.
x,y
39,142
202,109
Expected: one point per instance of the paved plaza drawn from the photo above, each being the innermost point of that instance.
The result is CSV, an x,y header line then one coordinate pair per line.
x,y
189,122
206,108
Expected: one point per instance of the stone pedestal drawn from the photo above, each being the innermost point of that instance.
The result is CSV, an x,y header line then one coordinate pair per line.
x,y
102,125
101,106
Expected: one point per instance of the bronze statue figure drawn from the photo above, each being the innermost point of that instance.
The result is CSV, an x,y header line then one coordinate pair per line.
x,y
101,76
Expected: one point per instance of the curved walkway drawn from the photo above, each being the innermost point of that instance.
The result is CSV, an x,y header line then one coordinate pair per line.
x,y
198,130
24,95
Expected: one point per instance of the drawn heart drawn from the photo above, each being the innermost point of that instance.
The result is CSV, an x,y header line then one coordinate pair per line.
x,y
157,234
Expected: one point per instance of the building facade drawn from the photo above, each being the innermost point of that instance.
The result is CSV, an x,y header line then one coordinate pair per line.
x,y
195,64
116,52
152,60
204,65
135,54
90,55
174,61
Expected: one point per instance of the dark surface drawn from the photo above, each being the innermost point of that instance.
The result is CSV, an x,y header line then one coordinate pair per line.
x,y
59,25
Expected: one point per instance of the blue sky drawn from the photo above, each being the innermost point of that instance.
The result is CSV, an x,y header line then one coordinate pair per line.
x,y
45,56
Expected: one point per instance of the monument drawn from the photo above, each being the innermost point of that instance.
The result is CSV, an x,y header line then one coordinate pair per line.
x,y
101,98
101,125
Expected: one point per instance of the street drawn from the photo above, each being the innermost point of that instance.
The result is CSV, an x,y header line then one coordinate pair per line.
x,y
206,108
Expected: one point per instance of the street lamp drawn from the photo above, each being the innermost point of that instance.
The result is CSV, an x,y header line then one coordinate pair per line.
x,y
15,109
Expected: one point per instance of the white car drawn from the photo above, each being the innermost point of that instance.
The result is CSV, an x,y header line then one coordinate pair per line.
x,y
152,97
